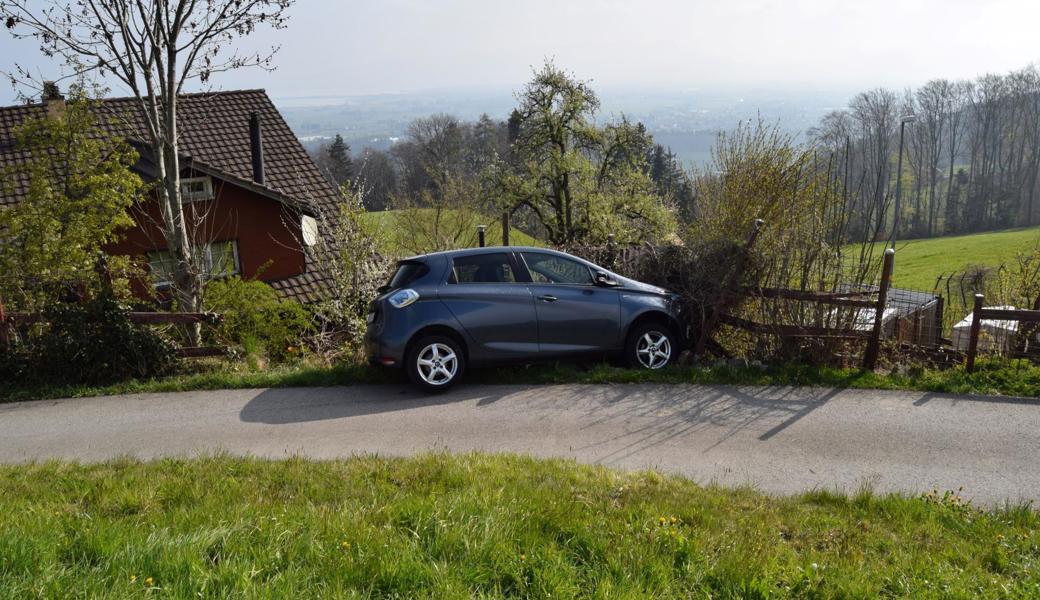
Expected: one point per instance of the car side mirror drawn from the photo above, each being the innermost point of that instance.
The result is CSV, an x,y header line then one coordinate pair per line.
x,y
604,280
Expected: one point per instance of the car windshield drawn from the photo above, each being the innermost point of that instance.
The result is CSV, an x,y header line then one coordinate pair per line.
x,y
407,272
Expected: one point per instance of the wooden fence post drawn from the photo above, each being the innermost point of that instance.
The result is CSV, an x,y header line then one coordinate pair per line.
x,y
874,344
5,341
976,325
505,228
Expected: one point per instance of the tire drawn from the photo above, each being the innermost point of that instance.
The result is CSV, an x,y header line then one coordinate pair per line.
x,y
435,363
651,346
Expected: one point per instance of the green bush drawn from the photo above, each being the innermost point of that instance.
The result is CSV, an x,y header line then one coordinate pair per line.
x,y
14,365
96,343
256,320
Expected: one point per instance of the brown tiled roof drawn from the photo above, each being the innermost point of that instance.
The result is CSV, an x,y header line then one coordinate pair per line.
x,y
214,134
304,288
214,130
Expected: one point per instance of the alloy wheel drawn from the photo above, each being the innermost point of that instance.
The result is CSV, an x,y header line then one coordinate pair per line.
x,y
654,350
437,364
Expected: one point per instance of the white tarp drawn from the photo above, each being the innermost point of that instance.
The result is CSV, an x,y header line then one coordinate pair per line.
x,y
863,318
994,335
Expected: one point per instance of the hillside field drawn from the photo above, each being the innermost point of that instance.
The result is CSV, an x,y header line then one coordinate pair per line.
x,y
920,262
396,238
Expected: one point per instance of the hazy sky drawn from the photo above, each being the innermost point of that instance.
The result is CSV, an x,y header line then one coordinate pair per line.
x,y
362,47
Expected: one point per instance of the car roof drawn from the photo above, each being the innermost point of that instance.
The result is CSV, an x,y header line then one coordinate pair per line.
x,y
486,250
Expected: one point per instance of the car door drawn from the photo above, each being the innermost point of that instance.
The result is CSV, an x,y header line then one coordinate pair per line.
x,y
494,308
574,315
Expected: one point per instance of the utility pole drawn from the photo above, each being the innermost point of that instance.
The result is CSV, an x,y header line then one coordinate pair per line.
x,y
899,178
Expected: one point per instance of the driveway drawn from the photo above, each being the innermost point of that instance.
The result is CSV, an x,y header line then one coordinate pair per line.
x,y
779,439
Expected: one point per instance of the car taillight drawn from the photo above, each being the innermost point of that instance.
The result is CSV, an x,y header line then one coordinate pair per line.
x,y
403,298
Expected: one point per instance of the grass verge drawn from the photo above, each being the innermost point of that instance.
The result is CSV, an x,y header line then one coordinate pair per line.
x,y
437,526
992,377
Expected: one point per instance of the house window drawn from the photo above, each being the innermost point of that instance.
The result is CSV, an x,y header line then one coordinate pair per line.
x,y
196,188
220,259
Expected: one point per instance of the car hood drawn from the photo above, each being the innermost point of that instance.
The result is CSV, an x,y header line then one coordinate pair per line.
x,y
638,286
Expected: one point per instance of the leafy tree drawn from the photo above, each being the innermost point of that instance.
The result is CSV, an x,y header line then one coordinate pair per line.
x,y
80,188
580,180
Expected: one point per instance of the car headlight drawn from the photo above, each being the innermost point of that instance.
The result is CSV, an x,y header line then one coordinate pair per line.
x,y
403,298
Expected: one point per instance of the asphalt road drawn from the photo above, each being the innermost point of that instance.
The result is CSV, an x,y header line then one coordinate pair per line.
x,y
781,440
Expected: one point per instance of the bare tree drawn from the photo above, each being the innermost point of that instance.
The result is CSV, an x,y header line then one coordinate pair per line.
x,y
874,113
153,47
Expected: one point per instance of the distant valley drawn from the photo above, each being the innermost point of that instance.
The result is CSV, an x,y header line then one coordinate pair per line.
x,y
685,120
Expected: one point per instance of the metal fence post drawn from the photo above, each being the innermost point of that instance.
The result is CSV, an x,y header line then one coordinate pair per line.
x,y
874,344
976,325
480,235
505,228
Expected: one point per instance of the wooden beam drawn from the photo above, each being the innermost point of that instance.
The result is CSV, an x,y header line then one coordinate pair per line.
x,y
1001,314
173,318
793,330
973,340
141,318
874,343
836,299
200,351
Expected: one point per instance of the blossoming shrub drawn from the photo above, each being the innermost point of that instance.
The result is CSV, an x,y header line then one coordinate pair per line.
x,y
256,320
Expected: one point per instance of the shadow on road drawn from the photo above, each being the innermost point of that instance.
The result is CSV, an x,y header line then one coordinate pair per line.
x,y
297,405
622,419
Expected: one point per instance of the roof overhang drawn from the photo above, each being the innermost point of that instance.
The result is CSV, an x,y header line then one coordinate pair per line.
x,y
146,167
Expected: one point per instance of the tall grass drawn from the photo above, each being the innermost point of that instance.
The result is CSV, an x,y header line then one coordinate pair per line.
x,y
483,526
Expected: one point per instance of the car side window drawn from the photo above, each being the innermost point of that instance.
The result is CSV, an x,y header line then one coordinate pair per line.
x,y
482,268
549,268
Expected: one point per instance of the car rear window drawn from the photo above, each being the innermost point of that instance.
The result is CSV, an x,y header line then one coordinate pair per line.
x,y
407,272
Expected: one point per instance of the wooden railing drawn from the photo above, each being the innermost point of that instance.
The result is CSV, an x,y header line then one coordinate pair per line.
x,y
980,312
14,319
848,299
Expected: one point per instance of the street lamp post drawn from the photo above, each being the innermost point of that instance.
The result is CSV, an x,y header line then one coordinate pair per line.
x,y
899,177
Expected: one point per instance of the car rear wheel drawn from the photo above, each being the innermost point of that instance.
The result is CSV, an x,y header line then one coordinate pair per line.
x,y
435,363
651,346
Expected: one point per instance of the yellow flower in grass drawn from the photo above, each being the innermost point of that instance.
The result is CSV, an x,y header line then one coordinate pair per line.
x,y
662,520
345,545
148,581
133,578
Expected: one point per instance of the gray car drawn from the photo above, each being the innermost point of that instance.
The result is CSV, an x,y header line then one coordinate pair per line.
x,y
443,312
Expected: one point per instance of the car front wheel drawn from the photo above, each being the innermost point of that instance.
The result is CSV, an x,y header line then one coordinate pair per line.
x,y
651,346
435,363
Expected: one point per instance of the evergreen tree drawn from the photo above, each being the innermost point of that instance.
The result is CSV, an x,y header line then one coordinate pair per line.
x,y
339,165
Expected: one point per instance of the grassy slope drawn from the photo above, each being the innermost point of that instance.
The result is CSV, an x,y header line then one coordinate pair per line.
x,y
920,262
383,224
483,526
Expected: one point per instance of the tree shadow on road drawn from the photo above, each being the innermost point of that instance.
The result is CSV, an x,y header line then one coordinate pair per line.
x,y
297,405
621,420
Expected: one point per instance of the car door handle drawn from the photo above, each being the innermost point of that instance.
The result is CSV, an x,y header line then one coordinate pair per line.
x,y
547,298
